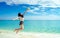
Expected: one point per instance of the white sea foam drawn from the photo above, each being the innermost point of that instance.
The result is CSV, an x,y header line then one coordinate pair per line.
x,y
11,34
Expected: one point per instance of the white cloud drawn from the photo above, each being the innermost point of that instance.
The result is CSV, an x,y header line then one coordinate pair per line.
x,y
39,11
31,2
57,2
43,11
45,17
43,3
8,2
33,11
49,3
36,8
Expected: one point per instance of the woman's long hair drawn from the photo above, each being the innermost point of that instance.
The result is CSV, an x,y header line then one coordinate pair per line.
x,y
20,15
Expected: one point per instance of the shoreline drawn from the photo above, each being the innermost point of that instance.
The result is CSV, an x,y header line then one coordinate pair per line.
x,y
11,34
2,30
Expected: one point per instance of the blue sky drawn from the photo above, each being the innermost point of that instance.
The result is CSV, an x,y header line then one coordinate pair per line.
x,y
39,9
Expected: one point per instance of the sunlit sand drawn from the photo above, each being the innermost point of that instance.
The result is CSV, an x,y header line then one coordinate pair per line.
x,y
11,34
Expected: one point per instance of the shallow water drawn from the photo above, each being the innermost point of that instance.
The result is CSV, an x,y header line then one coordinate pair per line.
x,y
49,26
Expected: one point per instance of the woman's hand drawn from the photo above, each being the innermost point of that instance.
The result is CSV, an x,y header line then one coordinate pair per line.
x,y
15,18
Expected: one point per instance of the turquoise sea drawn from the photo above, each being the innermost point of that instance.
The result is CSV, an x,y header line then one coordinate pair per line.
x,y
48,26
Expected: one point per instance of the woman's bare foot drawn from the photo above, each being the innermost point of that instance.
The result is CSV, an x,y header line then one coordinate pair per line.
x,y
16,30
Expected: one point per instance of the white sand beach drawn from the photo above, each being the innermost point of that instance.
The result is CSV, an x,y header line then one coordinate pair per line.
x,y
10,34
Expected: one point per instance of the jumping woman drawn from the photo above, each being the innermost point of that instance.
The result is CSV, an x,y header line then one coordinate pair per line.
x,y
21,18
